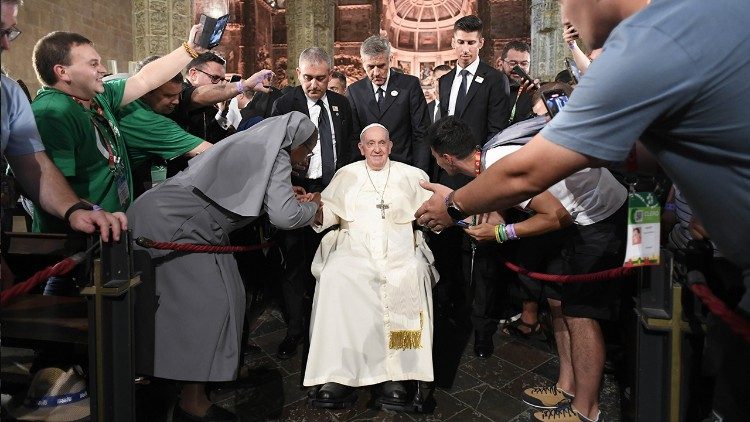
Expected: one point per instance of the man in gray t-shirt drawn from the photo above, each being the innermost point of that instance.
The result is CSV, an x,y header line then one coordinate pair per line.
x,y
676,75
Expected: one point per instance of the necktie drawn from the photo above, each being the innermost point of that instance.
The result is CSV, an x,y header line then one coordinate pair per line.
x,y
461,97
381,98
326,143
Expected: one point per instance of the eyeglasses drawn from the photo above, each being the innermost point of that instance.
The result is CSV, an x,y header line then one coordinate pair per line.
x,y
516,63
215,79
11,32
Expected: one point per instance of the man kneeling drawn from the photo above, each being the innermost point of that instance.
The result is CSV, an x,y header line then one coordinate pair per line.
x,y
371,319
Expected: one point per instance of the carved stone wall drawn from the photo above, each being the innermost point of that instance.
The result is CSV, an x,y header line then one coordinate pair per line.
x,y
548,50
109,25
160,26
309,23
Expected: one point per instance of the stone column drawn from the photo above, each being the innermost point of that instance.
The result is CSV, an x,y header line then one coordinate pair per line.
x,y
309,23
160,26
548,50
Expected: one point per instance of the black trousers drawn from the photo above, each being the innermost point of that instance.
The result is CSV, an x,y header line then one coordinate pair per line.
x,y
297,284
487,283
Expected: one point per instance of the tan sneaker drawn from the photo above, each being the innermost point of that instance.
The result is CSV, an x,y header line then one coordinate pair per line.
x,y
564,413
549,397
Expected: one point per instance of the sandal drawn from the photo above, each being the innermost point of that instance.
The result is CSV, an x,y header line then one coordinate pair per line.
x,y
513,329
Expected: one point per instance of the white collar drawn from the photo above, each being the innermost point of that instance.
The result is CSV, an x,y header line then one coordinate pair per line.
x,y
472,68
311,103
384,86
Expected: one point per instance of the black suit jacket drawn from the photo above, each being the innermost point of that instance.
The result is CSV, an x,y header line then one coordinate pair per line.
x,y
487,102
341,114
431,111
404,114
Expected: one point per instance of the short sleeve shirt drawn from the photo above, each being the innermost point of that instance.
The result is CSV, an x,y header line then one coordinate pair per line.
x,y
684,94
17,128
87,147
148,133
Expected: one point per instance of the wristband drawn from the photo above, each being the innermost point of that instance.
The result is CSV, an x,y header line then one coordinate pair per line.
x,y
669,206
497,234
190,51
81,205
240,87
510,230
503,234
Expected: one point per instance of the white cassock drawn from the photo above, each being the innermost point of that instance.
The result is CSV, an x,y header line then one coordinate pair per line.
x,y
372,312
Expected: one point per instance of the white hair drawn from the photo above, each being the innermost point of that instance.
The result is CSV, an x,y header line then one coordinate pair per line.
x,y
370,126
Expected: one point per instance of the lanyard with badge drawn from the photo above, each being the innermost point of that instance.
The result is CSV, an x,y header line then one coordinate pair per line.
x,y
106,135
643,236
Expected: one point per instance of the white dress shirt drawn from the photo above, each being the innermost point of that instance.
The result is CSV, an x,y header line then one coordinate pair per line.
x,y
315,170
472,68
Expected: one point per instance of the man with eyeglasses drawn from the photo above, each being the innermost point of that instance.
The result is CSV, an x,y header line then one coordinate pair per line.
x,y
23,149
204,87
517,53
333,117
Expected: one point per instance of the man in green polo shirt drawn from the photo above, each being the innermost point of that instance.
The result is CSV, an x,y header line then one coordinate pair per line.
x,y
75,113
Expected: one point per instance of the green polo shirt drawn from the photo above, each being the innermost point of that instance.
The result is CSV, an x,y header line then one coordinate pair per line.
x,y
87,147
148,133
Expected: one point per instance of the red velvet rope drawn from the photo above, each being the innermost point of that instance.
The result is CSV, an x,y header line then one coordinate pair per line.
x,y
736,322
60,268
191,247
618,272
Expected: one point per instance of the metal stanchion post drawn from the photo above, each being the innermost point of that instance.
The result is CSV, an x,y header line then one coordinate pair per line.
x,y
111,349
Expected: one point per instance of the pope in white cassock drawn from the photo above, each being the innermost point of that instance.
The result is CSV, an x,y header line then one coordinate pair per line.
x,y
371,318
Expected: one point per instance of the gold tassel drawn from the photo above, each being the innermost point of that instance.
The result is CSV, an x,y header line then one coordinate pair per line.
x,y
406,339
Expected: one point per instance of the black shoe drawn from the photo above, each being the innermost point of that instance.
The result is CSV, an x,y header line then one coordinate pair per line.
x,y
288,346
332,395
214,414
393,392
483,345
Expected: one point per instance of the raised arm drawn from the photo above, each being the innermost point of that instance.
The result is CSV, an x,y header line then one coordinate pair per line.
x,y
158,72
215,93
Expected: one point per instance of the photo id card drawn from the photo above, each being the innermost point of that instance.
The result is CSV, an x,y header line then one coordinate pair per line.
x,y
643,237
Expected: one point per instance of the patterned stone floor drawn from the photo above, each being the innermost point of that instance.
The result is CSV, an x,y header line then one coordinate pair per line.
x,y
468,388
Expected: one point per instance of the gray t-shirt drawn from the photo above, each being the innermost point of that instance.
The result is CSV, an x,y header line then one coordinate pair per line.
x,y
18,130
677,76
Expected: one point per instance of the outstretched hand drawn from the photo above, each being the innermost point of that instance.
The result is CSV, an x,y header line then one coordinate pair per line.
x,y
194,38
433,213
89,221
259,81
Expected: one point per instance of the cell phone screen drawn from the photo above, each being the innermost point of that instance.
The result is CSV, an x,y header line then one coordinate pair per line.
x,y
221,24
554,101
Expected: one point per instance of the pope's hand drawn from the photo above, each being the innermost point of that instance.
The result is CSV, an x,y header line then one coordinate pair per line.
x,y
433,213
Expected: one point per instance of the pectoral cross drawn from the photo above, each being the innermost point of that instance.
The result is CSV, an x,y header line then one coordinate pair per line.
x,y
382,206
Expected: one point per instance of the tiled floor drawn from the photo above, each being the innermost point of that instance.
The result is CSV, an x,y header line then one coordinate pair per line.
x,y
467,388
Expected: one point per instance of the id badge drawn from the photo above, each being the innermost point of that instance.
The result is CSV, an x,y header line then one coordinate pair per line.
x,y
643,237
123,192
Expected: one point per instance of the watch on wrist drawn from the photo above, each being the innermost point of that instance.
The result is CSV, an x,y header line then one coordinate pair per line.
x,y
453,211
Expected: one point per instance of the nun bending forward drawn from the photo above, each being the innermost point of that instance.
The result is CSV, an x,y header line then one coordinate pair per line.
x,y
201,298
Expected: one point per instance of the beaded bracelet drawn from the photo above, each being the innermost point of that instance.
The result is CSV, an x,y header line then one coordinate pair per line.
x,y
190,51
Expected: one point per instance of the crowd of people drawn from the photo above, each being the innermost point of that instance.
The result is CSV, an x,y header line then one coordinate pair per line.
x,y
398,199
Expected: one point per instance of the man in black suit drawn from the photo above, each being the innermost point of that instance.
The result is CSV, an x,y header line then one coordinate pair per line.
x,y
433,107
392,99
331,114
478,94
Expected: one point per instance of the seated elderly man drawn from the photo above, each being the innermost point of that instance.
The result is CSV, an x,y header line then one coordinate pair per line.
x,y
371,319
